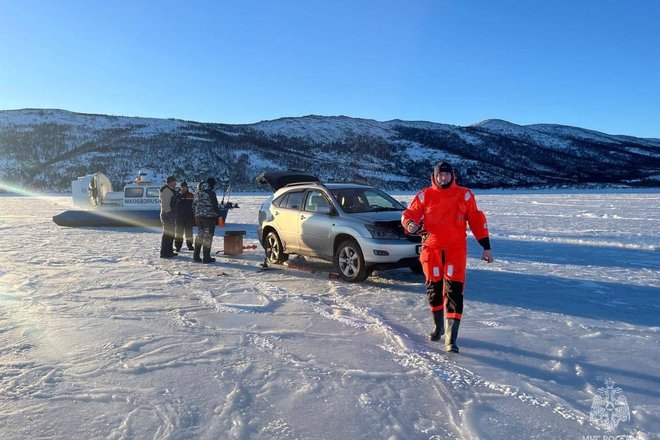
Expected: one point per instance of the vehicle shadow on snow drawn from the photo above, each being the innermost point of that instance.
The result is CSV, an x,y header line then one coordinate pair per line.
x,y
588,299
313,268
569,254
564,295
548,293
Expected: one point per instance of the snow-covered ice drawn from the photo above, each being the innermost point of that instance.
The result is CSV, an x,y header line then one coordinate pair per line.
x,y
101,339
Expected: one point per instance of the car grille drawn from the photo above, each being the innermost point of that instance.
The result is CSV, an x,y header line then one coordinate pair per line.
x,y
397,228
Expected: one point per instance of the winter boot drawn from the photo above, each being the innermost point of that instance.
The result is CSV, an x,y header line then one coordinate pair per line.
x,y
198,249
452,335
189,243
207,255
177,245
439,330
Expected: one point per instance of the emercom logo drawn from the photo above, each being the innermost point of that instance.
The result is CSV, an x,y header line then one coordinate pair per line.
x,y
608,409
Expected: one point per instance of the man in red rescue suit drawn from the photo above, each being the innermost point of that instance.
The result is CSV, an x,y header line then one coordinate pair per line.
x,y
441,212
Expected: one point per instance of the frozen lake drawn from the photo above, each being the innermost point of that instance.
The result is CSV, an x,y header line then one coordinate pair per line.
x,y
101,339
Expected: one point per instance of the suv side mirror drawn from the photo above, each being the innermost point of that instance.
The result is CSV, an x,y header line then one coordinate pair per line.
x,y
405,204
324,209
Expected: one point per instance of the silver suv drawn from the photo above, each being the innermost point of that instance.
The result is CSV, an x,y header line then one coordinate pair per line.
x,y
357,227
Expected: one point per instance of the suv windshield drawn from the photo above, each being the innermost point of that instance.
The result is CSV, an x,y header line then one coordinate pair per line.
x,y
354,200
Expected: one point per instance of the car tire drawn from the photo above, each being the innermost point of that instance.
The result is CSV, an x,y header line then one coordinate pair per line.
x,y
349,262
274,249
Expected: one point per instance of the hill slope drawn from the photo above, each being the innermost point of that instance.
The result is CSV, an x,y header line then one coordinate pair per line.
x,y
46,149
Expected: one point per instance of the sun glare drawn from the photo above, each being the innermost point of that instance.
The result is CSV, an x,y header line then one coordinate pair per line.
x,y
99,217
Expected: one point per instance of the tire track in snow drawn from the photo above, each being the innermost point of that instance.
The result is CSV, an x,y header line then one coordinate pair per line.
x,y
332,304
328,304
410,354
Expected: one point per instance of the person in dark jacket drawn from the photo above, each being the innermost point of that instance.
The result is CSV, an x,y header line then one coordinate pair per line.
x,y
185,218
168,217
207,211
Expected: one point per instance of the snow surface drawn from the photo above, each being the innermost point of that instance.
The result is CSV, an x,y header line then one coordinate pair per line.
x,y
101,339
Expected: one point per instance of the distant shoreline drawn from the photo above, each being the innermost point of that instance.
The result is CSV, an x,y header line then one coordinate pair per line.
x,y
492,191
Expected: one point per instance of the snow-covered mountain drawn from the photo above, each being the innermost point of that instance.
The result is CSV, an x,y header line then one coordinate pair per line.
x,y
46,149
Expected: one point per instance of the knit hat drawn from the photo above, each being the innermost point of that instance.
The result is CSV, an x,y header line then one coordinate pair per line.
x,y
184,183
443,167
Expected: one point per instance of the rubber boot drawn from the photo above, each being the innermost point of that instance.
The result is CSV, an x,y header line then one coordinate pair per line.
x,y
439,330
452,335
198,249
207,255
164,252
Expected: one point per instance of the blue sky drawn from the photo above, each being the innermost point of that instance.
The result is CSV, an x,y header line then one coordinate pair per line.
x,y
593,64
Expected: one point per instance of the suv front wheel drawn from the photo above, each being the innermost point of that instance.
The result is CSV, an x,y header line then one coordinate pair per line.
x,y
349,261
274,251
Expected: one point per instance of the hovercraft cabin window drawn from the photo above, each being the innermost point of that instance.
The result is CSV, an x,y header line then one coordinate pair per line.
x,y
133,192
153,192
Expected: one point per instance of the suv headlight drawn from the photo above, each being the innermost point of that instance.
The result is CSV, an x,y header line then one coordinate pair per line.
x,y
380,232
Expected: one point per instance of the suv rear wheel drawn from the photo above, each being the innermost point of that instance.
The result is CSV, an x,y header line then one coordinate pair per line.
x,y
274,251
349,261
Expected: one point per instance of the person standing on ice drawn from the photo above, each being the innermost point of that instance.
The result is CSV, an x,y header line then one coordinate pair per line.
x,y
443,211
93,191
168,217
205,206
185,218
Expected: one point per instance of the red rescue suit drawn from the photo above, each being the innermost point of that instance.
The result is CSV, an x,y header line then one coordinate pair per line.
x,y
444,214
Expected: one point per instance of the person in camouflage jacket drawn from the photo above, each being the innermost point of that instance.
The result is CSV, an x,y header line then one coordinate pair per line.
x,y
207,211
